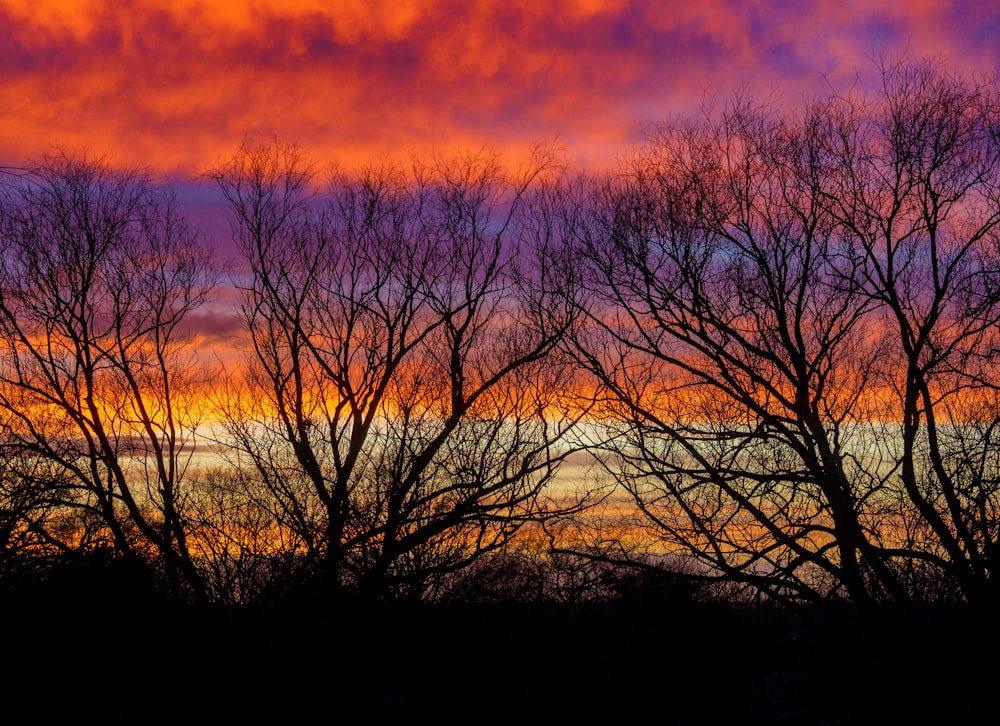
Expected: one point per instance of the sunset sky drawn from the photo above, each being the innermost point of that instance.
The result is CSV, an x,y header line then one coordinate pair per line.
x,y
177,84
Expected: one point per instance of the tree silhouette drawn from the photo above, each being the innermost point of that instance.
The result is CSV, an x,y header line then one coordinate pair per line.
x,y
404,404
796,334
99,272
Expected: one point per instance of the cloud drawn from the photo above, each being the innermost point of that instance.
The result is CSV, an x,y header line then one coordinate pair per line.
x,y
177,85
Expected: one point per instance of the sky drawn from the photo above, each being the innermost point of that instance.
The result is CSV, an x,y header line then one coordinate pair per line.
x,y
176,85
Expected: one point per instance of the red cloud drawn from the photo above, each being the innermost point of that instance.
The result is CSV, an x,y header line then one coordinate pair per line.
x,y
176,85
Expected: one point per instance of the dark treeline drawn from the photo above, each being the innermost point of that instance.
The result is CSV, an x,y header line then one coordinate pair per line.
x,y
736,396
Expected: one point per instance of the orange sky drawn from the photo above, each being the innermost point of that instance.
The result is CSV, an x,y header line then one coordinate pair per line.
x,y
177,84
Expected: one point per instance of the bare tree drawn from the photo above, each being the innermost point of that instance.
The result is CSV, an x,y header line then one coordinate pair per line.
x,y
99,272
752,266
403,403
246,556
35,524
915,187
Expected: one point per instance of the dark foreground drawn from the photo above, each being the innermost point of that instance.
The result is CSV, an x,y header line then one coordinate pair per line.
x,y
101,652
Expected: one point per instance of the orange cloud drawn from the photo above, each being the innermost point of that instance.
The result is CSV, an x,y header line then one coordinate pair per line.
x,y
176,85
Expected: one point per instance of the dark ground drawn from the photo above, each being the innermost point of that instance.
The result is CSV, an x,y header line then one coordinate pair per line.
x,y
94,649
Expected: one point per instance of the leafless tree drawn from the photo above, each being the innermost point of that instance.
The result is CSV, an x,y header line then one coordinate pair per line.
x,y
915,187
244,554
99,272
404,399
33,517
794,336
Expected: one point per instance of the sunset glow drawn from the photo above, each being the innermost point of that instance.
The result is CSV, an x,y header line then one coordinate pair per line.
x,y
390,356
177,85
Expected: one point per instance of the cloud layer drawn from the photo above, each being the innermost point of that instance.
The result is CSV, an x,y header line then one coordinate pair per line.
x,y
177,84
